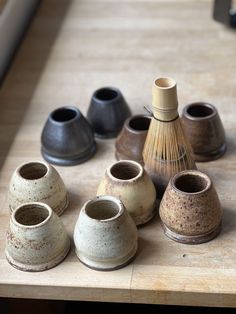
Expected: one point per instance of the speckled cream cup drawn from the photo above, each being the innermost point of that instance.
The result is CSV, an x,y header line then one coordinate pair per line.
x,y
105,235
37,181
36,239
190,210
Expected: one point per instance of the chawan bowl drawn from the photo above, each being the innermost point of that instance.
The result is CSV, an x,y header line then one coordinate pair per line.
x,y
190,209
37,181
67,138
107,112
204,131
105,235
129,143
36,238
128,181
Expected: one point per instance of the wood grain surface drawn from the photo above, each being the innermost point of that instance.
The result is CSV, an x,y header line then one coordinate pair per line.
x,y
75,47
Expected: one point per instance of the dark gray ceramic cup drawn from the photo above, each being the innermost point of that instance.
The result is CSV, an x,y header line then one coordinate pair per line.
x,y
67,138
107,112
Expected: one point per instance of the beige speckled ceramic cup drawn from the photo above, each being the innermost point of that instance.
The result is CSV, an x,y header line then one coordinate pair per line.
x,y
36,238
37,181
190,210
105,235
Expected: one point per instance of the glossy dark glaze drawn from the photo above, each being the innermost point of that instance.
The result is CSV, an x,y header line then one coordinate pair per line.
x,y
204,130
129,143
67,138
107,112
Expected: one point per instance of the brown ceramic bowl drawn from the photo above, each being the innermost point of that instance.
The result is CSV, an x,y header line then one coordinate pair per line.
x,y
129,143
204,131
190,209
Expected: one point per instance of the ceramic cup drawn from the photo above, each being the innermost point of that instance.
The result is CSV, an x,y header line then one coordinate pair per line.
x,y
204,130
36,238
190,209
67,138
107,112
105,235
37,181
129,143
128,181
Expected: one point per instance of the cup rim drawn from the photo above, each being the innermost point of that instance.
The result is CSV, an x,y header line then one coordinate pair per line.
x,y
74,108
39,204
110,88
41,162
196,173
113,199
199,103
137,116
129,162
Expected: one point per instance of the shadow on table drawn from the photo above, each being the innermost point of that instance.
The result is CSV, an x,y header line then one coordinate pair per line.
x,y
20,82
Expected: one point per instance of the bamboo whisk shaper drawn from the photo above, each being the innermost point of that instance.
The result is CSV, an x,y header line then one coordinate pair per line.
x,y
166,150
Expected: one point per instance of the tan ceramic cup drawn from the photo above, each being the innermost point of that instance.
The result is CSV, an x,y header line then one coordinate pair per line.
x,y
37,181
105,235
36,238
128,181
190,210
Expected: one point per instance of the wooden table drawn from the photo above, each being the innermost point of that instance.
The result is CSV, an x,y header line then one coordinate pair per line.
x,y
75,47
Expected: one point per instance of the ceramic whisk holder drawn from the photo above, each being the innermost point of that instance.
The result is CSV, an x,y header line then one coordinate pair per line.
x,y
128,181
204,130
190,209
67,138
105,235
107,112
36,238
37,181
129,143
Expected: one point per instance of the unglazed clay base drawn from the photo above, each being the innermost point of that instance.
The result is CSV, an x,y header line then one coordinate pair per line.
x,y
211,155
191,239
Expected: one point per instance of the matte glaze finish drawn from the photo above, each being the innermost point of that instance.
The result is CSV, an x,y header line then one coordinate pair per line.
x,y
67,138
37,181
128,181
36,239
190,209
105,235
129,143
204,130
107,112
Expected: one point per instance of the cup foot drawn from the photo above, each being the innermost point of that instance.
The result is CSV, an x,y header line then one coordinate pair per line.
x,y
38,267
186,239
67,161
210,155
108,265
107,135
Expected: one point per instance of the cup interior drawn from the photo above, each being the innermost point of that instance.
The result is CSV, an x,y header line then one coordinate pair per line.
x,y
64,114
106,94
33,171
200,110
31,214
125,170
191,183
165,82
139,123
102,209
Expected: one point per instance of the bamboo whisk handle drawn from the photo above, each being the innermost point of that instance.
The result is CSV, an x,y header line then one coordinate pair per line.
x,y
164,99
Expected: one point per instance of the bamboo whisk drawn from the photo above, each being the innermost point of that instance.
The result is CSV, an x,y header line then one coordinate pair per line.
x,y
166,150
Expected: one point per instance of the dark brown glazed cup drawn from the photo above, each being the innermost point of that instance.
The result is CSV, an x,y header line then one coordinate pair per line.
x,y
204,130
190,209
129,143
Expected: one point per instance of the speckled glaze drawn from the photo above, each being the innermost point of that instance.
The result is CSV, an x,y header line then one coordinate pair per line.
x,y
204,130
129,143
190,209
36,238
128,181
105,235
37,181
